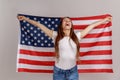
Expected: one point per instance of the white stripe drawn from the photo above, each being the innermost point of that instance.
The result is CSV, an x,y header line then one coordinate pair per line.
x,y
36,58
41,58
95,48
95,31
81,49
90,40
95,66
96,57
35,66
32,48
83,22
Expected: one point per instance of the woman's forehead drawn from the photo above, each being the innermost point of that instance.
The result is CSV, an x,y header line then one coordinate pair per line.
x,y
66,18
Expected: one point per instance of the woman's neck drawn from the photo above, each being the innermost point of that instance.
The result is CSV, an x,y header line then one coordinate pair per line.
x,y
66,32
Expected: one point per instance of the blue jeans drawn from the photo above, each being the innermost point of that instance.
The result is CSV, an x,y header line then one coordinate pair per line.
x,y
69,74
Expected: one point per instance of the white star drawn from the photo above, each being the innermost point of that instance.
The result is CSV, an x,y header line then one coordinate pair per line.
x,y
52,28
38,34
45,41
26,39
23,42
23,35
28,24
22,29
42,38
49,19
35,18
38,41
24,21
31,28
42,19
39,21
49,25
35,31
56,19
49,44
29,42
53,22
35,37
45,22
35,44
25,32
42,44
56,25
28,31
31,34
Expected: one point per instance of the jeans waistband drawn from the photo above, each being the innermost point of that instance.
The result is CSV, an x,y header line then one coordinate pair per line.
x,y
68,70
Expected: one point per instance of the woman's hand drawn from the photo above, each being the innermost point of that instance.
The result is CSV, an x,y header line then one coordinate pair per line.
x,y
107,19
21,18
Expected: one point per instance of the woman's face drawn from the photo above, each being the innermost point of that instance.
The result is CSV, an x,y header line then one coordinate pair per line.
x,y
66,24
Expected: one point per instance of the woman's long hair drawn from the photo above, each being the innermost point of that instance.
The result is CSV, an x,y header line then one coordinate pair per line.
x,y
61,35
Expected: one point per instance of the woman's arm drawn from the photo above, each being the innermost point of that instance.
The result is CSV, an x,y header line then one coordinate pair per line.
x,y
91,26
37,24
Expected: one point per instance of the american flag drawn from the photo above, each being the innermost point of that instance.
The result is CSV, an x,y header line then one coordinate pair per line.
x,y
36,49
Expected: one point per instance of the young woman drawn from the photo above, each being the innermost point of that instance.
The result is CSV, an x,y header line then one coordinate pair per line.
x,y
66,46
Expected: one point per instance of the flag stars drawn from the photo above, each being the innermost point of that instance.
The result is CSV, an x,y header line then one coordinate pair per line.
x,y
35,31
45,41
31,28
26,39
56,19
56,25
31,34
28,24
35,38
49,25
29,43
42,19
23,35
38,21
35,18
38,41
23,42
49,44
42,38
24,21
42,44
52,28
53,22
35,44
38,34
45,22
49,19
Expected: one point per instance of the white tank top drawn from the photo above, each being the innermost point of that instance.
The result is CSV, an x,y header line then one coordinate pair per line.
x,y
67,51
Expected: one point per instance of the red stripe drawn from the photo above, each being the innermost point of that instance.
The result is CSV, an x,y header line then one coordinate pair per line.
x,y
97,35
51,63
33,62
107,61
91,17
95,70
34,70
79,70
97,27
49,54
100,43
98,52
36,53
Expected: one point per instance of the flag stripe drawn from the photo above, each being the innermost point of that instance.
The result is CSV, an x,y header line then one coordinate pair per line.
x,y
52,58
49,54
95,66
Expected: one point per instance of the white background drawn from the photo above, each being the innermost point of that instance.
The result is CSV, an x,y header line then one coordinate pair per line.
x,y
9,30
